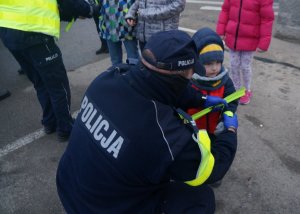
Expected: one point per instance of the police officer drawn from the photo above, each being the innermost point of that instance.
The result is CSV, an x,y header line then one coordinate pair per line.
x,y
130,151
28,29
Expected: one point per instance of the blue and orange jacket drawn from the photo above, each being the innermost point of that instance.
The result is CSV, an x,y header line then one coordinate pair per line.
x,y
220,86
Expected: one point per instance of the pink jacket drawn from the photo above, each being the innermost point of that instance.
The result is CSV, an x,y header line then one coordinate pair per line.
x,y
246,24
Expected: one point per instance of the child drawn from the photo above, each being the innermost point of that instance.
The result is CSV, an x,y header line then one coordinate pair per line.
x,y
246,27
214,80
152,16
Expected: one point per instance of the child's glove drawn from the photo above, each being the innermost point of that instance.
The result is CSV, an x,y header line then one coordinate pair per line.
x,y
230,121
213,101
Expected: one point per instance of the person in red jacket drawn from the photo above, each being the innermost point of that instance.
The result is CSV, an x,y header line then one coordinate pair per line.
x,y
246,27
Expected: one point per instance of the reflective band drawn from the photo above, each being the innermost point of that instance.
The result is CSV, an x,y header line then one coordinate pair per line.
x,y
239,93
229,113
39,16
207,159
69,25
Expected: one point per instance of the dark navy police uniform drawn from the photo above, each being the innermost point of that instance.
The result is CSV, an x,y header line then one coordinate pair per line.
x,y
129,152
41,58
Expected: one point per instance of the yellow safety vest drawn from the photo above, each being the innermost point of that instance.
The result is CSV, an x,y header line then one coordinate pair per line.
x,y
207,159
39,16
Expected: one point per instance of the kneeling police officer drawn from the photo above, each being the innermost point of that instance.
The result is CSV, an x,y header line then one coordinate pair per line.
x,y
130,151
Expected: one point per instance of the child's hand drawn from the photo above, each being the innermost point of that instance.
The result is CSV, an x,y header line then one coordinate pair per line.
x,y
131,22
213,101
230,121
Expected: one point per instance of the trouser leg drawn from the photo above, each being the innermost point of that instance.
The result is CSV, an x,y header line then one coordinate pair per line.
x,y
47,61
131,47
181,198
48,118
115,51
103,43
235,66
246,68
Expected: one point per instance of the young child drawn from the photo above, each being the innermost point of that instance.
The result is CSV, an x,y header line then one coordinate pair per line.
x,y
214,80
246,27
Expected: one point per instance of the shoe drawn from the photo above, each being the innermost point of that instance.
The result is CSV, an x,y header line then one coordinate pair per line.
x,y
244,100
49,129
63,136
4,94
216,184
102,50
21,71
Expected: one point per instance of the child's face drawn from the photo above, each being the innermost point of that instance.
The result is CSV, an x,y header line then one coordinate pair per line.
x,y
213,68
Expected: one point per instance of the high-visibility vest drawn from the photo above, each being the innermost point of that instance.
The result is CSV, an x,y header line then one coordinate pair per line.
x,y
207,159
39,16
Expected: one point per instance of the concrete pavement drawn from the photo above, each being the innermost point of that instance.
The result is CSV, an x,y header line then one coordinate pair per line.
x,y
264,177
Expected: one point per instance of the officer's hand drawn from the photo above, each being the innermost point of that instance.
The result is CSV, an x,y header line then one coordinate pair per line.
x,y
230,121
96,10
213,101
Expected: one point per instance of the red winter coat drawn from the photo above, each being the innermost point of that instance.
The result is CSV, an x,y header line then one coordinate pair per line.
x,y
246,24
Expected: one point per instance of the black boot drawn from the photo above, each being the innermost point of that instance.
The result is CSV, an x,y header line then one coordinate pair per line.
x,y
103,49
4,94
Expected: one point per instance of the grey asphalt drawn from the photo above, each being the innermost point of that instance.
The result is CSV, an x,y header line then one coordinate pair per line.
x,y
264,177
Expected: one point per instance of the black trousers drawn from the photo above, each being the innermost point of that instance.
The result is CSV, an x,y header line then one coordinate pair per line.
x,y
45,69
181,198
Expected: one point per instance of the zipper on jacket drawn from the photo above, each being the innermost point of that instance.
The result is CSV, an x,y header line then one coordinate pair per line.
x,y
238,26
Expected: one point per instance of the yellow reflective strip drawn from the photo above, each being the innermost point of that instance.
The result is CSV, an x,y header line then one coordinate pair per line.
x,y
69,25
239,93
211,47
229,113
26,22
32,4
207,160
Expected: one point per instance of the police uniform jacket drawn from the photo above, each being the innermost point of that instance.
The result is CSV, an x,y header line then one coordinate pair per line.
x,y
127,144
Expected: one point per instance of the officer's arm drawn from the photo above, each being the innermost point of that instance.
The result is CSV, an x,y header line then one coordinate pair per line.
x,y
223,150
74,8
186,164
190,98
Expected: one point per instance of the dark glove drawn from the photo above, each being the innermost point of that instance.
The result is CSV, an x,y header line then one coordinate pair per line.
x,y
230,120
96,10
214,101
